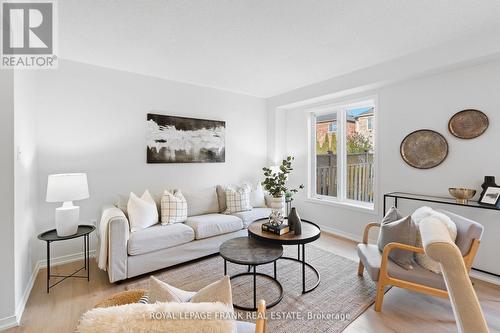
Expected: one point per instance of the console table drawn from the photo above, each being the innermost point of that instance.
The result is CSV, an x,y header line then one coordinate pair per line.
x,y
396,196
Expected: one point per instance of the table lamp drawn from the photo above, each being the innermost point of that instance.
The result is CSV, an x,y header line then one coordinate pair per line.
x,y
67,188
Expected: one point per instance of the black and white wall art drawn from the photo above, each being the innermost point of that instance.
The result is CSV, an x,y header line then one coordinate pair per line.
x,y
184,140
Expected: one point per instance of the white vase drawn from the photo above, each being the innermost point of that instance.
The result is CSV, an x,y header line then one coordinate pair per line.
x,y
277,203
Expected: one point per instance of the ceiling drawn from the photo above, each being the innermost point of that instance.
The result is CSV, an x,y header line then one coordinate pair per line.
x,y
261,47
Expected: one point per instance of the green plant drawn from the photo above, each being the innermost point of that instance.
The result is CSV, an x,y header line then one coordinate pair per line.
x,y
358,144
275,182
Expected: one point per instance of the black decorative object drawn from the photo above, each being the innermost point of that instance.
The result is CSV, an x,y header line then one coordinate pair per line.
x,y
294,222
488,181
184,140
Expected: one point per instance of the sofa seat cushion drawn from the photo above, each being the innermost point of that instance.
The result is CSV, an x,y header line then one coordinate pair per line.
x,y
371,258
159,237
253,215
209,225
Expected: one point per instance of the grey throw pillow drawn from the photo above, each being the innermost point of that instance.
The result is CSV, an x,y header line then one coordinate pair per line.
x,y
398,229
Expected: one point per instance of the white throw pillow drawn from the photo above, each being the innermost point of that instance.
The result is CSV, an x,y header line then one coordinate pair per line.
x,y
160,291
425,213
257,195
142,212
173,207
219,291
238,200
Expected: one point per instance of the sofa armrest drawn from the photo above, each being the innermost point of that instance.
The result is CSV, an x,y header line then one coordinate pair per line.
x,y
118,234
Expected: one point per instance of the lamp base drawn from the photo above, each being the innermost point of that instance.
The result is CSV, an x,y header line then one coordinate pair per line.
x,y
67,220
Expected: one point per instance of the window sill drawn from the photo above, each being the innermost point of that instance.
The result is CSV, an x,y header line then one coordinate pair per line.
x,y
364,208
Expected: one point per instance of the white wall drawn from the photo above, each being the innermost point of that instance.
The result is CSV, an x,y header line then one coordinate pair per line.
x,y
7,305
425,102
25,180
92,119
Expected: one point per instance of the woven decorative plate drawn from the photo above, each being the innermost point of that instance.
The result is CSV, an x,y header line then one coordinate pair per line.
x,y
424,149
468,124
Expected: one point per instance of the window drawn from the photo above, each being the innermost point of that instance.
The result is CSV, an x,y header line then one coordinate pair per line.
x,y
343,154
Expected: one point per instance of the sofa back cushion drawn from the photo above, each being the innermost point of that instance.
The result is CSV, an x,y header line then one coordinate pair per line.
x,y
202,201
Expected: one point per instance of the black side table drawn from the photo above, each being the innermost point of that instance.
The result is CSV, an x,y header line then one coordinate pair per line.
x,y
51,236
252,253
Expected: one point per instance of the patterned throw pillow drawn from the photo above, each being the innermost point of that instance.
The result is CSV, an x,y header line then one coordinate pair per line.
x,y
238,199
144,299
173,207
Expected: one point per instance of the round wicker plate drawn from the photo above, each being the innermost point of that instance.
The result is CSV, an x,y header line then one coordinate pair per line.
x,y
424,149
468,124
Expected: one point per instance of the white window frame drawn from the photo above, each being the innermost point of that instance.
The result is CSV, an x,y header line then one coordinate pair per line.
x,y
341,109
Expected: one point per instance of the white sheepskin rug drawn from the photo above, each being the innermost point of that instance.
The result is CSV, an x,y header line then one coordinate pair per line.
x,y
159,317
427,213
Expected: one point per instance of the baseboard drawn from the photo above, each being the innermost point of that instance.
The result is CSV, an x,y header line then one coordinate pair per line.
x,y
13,321
343,234
8,322
485,277
64,259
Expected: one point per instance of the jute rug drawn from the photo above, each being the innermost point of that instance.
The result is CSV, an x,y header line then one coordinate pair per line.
x,y
340,298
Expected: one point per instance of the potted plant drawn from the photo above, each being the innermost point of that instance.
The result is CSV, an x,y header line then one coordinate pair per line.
x,y
275,183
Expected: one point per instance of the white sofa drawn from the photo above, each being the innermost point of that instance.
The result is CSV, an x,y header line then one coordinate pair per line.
x,y
134,253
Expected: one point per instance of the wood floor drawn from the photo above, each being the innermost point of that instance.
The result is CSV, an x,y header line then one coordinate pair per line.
x,y
403,311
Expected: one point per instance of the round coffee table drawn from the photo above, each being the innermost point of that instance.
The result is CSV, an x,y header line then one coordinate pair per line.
x,y
310,233
252,253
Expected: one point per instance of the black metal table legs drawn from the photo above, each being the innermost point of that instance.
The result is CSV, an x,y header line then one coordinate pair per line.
x,y
302,259
86,257
252,271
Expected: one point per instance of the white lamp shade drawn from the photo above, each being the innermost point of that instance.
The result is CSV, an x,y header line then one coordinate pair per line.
x,y
67,187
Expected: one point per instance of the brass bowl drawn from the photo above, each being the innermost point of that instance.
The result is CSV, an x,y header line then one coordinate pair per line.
x,y
462,195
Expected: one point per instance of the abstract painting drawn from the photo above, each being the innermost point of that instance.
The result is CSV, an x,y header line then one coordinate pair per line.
x,y
173,139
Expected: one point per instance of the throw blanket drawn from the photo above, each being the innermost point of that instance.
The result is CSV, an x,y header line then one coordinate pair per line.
x,y
160,317
102,249
432,216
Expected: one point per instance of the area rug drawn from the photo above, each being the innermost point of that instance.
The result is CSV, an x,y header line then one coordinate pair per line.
x,y
340,298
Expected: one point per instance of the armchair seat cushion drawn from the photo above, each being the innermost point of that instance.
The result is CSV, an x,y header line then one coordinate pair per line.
x,y
371,258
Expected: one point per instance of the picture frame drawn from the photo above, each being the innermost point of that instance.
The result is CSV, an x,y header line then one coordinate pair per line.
x,y
174,139
491,196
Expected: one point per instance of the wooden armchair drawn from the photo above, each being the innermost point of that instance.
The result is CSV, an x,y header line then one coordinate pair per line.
x,y
386,273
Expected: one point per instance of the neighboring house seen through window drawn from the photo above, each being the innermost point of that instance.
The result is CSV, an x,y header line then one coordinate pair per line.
x,y
343,154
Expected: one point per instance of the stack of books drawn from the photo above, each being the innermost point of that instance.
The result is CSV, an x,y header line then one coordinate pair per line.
x,y
275,229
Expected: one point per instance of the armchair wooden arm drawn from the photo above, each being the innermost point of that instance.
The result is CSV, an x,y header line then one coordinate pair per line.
x,y
260,324
392,246
367,231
